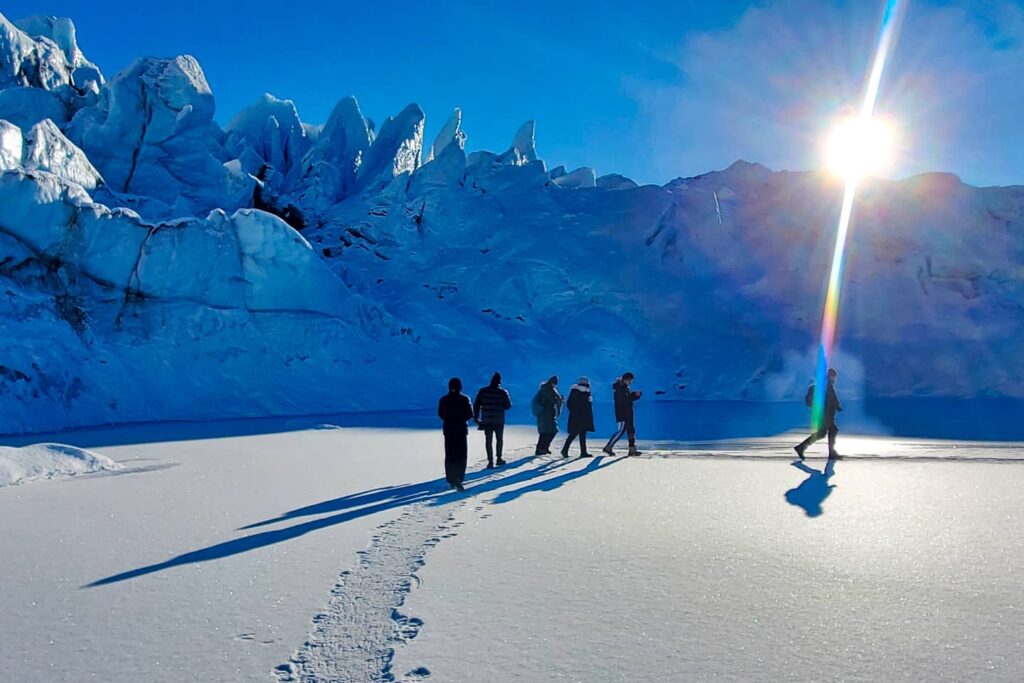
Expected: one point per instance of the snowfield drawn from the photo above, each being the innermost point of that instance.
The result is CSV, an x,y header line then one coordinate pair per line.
x,y
48,460
306,551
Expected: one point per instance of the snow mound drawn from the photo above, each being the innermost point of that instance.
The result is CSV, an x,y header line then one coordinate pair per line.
x,y
47,461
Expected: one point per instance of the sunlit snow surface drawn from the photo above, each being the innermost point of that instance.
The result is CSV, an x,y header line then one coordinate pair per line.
x,y
850,448
317,551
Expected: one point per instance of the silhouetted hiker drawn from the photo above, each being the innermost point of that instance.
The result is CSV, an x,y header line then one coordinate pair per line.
x,y
489,412
828,418
813,491
624,399
455,411
547,405
581,416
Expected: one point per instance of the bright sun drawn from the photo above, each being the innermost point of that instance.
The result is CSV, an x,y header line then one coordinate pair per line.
x,y
859,147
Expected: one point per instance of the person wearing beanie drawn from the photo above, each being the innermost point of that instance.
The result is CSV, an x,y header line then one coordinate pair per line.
x,y
455,411
489,413
581,416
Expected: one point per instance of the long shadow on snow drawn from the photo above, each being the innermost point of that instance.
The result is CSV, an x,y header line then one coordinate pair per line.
x,y
374,501
396,496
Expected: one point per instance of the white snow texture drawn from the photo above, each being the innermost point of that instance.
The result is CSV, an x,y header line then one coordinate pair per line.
x,y
48,460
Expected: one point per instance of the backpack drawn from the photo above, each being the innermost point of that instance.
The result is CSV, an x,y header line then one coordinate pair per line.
x,y
536,407
809,398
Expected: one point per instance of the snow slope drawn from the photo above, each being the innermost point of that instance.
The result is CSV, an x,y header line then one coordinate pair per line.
x,y
424,262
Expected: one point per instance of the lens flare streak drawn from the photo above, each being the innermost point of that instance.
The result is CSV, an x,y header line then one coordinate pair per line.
x,y
890,24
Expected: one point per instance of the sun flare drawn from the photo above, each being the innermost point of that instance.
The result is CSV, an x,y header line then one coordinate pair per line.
x,y
858,147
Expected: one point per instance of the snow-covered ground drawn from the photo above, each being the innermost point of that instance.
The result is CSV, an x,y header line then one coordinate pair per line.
x,y
245,551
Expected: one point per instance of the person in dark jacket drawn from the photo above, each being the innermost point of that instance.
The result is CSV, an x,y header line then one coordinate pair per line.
x,y
828,418
489,412
581,416
547,406
624,399
455,411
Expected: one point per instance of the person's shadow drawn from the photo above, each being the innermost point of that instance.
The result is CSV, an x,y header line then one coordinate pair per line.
x,y
813,491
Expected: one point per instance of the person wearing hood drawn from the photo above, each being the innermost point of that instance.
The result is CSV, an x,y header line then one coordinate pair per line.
x,y
624,400
489,413
455,411
547,405
581,416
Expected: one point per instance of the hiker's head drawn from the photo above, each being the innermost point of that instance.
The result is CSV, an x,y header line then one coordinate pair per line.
x,y
584,382
627,378
496,379
832,374
553,380
454,385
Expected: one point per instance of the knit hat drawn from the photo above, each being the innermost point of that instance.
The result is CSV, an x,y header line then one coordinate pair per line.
x,y
584,381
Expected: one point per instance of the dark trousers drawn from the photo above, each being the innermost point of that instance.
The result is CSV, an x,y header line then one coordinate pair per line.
x,y
573,435
544,442
627,428
830,428
455,454
497,434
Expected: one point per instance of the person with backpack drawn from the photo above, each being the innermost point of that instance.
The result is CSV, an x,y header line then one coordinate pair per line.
x,y
581,416
489,413
455,411
828,417
624,400
546,407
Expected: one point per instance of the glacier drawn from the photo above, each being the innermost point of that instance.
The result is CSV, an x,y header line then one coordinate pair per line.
x,y
141,284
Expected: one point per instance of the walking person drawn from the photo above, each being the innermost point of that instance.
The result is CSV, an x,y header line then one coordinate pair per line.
x,y
828,417
624,400
547,406
455,411
581,416
489,412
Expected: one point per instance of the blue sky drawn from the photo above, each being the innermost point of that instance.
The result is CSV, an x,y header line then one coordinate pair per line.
x,y
653,90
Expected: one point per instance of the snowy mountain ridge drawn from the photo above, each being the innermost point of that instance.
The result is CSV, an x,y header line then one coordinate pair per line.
x,y
141,284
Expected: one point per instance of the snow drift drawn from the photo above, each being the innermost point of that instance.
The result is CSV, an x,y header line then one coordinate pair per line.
x,y
142,285
48,460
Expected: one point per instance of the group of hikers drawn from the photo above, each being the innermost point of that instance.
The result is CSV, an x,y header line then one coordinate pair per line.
x,y
492,401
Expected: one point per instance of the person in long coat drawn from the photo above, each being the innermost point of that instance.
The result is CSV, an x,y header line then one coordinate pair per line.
x,y
581,416
455,411
547,408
